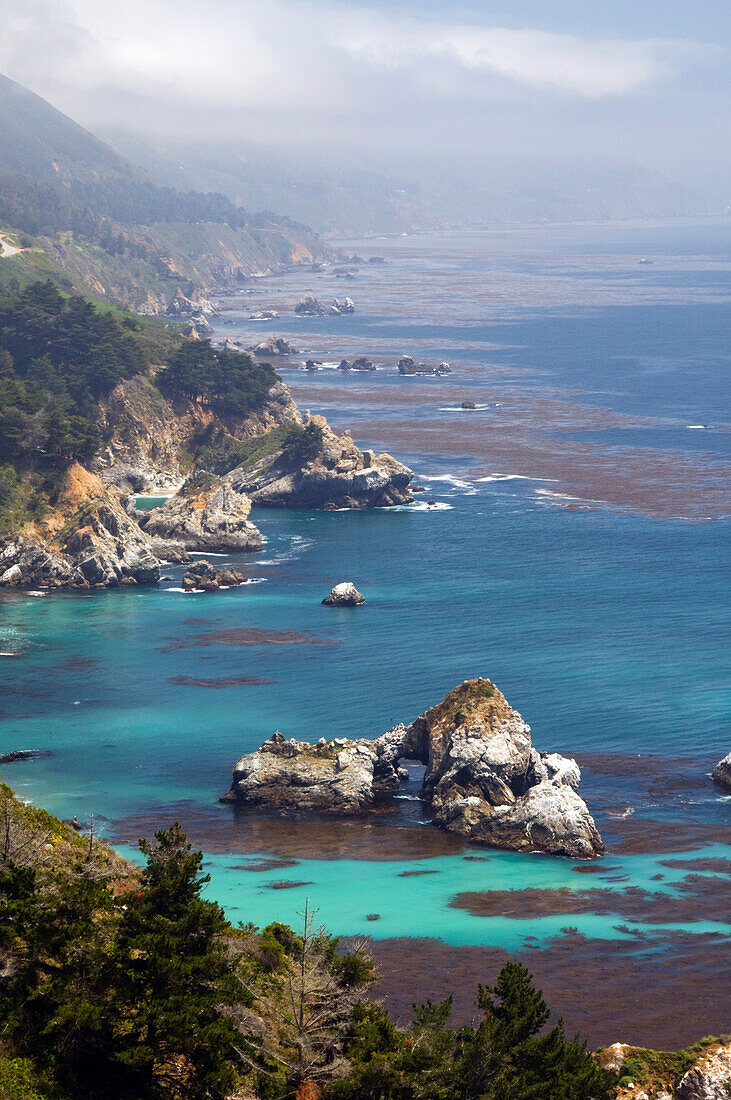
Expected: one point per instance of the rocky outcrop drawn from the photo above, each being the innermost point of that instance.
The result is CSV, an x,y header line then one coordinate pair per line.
x,y
145,434
335,474
362,363
308,306
342,305
663,1076
483,778
95,544
710,1078
344,594
721,774
207,514
408,366
204,577
17,756
180,306
263,315
333,777
275,345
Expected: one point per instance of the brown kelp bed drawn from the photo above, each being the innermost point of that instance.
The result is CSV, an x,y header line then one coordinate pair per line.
x,y
696,897
660,993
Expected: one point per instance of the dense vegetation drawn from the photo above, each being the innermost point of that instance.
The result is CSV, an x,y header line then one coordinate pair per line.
x,y
60,356
230,383
99,211
131,984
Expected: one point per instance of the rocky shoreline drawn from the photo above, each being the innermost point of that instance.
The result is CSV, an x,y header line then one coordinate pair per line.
x,y
96,537
483,781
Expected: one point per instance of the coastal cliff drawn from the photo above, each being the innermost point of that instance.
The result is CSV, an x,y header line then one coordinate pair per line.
x,y
483,780
87,541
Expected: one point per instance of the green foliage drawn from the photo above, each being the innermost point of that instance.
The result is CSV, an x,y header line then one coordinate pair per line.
x,y
171,978
147,993
508,1053
19,1080
230,383
302,444
644,1067
58,356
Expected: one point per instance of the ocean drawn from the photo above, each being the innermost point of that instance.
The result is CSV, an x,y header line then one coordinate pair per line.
x,y
575,551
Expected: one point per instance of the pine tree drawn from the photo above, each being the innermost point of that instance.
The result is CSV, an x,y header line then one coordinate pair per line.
x,y
508,1055
172,980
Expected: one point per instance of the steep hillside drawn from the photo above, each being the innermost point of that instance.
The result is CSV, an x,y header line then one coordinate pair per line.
x,y
42,143
75,211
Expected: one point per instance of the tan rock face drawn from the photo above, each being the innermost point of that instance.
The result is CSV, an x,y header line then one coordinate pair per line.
x,y
207,514
483,779
93,544
145,434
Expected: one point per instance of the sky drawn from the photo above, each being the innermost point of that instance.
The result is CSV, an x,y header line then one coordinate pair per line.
x,y
458,84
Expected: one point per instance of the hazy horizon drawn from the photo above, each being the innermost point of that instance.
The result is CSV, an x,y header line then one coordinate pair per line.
x,y
432,90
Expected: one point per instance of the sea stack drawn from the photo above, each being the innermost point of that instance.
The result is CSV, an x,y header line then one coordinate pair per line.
x,y
483,779
721,774
344,594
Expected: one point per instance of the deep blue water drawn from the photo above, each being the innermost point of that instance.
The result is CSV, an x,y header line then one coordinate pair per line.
x,y
609,632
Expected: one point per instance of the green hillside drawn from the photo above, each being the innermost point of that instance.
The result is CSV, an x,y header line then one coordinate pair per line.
x,y
42,143
96,224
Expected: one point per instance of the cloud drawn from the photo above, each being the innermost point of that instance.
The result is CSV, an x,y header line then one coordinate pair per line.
x,y
345,77
274,52
561,62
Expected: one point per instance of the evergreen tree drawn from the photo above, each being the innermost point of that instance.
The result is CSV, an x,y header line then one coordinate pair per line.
x,y
508,1055
172,980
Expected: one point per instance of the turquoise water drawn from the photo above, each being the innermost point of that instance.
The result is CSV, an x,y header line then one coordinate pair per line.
x,y
607,631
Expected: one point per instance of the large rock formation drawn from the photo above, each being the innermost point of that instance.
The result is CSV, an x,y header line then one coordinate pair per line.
x,y
334,473
483,778
308,306
275,345
722,773
408,366
207,514
90,541
663,1076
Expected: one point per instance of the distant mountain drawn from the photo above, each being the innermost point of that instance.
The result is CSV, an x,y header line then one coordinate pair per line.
x,y
354,199
43,144
73,209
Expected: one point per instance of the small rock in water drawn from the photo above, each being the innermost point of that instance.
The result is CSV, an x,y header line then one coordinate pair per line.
x,y
344,594
722,773
468,405
18,755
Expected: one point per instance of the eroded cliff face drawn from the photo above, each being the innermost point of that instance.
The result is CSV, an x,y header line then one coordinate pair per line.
x,y
88,540
148,439
483,778
337,475
656,1075
207,514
